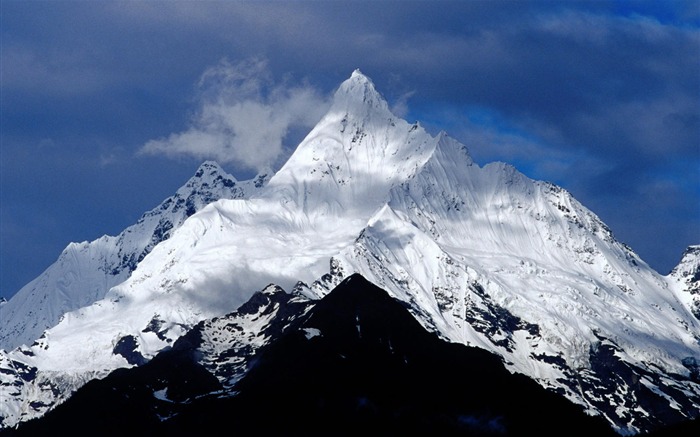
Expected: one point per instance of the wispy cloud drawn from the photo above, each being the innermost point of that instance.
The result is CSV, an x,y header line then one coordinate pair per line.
x,y
243,116
400,105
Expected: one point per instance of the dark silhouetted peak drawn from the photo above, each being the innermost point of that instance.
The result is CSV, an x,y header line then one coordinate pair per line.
x,y
361,359
262,300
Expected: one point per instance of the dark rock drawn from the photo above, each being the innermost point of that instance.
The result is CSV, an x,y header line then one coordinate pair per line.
x,y
127,347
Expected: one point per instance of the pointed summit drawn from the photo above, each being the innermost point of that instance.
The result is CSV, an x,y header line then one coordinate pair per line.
x,y
209,176
354,155
357,95
209,167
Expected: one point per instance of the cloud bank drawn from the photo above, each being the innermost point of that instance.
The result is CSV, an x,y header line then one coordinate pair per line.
x,y
243,116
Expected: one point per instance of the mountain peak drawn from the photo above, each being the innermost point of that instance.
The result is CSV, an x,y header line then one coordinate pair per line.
x,y
211,170
208,166
357,94
353,156
689,264
209,176
84,272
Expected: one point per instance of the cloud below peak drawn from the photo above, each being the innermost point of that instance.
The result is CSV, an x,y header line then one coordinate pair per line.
x,y
242,116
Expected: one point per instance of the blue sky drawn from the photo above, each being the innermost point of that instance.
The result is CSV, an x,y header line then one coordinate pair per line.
x,y
99,98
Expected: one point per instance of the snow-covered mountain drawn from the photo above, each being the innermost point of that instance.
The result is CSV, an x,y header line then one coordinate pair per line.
x,y
84,272
482,256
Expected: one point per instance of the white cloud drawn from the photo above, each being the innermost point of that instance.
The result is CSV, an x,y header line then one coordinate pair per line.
x,y
243,116
400,106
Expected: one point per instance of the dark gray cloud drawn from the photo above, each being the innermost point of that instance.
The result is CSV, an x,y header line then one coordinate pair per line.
x,y
600,97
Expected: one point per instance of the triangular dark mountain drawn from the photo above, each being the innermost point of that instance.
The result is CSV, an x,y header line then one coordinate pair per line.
x,y
358,361
361,363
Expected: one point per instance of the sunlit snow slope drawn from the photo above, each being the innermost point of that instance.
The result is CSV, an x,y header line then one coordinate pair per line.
x,y
482,255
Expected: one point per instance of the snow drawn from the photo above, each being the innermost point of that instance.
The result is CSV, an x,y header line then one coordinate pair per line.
x,y
310,333
161,395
